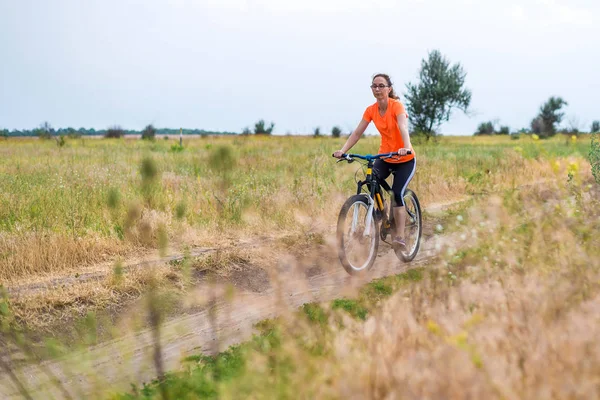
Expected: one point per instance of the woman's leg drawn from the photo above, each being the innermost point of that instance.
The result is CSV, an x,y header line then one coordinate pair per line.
x,y
402,175
381,169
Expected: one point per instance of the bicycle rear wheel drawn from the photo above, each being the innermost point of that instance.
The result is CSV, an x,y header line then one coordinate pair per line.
x,y
413,228
357,235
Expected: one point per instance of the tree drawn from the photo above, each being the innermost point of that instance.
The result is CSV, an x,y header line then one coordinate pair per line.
x,y
545,122
489,128
595,127
114,131
4,133
439,91
149,132
504,130
336,131
537,125
485,128
317,131
44,131
259,128
246,131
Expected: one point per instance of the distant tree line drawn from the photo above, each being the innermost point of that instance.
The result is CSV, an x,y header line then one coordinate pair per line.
x,y
46,131
261,128
545,124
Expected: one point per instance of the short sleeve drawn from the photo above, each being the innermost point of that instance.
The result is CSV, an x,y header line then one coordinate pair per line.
x,y
399,109
368,115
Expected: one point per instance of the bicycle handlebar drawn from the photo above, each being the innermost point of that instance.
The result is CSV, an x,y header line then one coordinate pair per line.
x,y
350,157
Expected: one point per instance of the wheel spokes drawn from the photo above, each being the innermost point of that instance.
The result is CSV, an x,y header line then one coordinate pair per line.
x,y
357,246
412,227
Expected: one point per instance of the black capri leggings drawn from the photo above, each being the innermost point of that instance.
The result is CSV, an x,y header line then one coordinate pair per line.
x,y
403,173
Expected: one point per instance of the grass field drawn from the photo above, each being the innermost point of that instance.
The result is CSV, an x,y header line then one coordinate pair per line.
x,y
511,312
94,200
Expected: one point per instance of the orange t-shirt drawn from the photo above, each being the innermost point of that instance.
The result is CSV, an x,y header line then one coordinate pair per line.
x,y
391,139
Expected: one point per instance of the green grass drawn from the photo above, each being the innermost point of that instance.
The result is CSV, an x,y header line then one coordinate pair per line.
x,y
71,189
353,307
228,373
315,313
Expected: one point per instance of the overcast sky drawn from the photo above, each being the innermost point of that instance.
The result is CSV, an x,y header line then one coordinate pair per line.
x,y
223,64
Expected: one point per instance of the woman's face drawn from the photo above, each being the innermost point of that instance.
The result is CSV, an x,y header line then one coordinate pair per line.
x,y
380,88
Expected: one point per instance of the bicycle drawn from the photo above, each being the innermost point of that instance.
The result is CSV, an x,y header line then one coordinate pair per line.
x,y
371,220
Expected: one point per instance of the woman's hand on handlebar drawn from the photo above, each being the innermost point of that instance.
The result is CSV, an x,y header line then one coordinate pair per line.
x,y
403,152
338,154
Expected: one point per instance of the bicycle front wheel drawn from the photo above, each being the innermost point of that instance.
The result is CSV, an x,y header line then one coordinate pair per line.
x,y
357,235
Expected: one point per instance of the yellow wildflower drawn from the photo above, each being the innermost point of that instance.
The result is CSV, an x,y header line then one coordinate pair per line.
x,y
573,167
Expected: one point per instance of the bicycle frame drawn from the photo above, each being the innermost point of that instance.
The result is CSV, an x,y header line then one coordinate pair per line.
x,y
374,185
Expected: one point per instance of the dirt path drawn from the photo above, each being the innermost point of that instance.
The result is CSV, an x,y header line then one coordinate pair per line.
x,y
114,365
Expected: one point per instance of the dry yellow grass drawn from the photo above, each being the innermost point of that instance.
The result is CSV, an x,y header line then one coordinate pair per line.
x,y
522,321
71,209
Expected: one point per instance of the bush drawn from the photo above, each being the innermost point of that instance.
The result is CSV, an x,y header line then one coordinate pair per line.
x,y
60,141
485,128
537,126
488,128
4,133
114,132
545,123
176,148
261,129
149,133
45,131
336,132
595,157
317,131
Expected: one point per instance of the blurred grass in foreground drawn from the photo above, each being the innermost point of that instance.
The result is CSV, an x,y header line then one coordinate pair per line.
x,y
513,314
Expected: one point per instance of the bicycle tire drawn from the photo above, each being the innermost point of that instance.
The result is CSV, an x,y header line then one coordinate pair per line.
x,y
344,237
414,222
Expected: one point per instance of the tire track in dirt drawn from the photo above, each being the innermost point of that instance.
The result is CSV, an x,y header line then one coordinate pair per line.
x,y
73,279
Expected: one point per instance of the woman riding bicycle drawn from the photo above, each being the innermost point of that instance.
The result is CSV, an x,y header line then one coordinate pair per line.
x,y
390,119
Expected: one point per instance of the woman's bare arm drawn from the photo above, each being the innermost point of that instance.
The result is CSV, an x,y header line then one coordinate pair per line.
x,y
353,138
403,125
